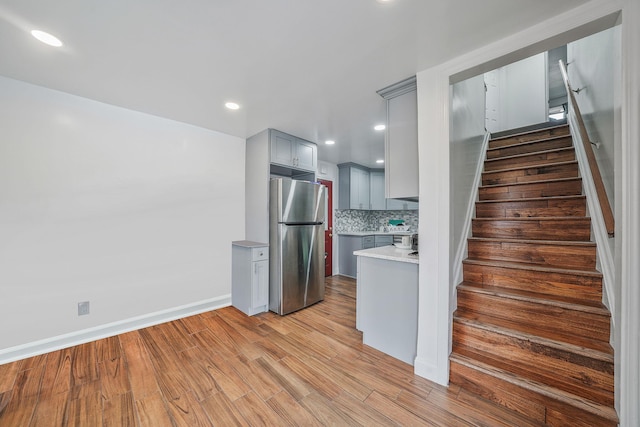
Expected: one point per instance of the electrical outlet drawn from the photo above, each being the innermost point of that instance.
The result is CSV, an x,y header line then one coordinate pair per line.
x,y
83,308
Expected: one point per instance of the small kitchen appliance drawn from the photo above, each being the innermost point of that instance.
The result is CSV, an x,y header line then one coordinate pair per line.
x,y
402,241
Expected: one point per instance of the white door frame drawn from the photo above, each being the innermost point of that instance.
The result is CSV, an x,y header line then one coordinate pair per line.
x,y
436,289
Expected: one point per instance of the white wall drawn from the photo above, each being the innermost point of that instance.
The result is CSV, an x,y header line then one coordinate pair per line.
x,y
466,154
522,80
329,172
131,212
595,69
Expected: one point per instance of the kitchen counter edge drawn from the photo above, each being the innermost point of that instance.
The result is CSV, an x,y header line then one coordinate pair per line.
x,y
390,253
375,233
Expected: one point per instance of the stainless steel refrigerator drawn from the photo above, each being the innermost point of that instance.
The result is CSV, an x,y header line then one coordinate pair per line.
x,y
296,244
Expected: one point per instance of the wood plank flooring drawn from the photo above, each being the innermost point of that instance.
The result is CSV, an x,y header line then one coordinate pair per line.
x,y
223,368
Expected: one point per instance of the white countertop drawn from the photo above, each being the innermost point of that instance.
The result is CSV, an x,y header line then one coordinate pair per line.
x,y
375,233
249,244
390,253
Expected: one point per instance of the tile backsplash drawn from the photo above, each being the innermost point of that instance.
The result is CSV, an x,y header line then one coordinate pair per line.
x,y
347,220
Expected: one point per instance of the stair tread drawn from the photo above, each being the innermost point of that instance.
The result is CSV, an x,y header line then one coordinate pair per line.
x,y
569,303
527,266
529,142
533,218
516,156
560,345
563,336
530,199
542,181
529,132
533,242
529,166
595,408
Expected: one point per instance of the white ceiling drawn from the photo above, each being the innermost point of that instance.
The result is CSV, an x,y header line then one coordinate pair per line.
x,y
307,67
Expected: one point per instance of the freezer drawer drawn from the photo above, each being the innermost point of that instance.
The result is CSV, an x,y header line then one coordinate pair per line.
x,y
296,268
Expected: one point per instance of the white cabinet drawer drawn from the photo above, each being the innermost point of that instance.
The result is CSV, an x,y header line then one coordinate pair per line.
x,y
258,254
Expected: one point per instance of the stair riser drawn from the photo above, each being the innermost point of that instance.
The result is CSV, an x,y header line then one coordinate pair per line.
x,y
534,136
572,187
532,147
546,283
574,373
537,173
574,230
562,256
537,159
533,208
532,317
526,402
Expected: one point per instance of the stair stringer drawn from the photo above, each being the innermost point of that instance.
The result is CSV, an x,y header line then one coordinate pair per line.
x,y
461,251
606,263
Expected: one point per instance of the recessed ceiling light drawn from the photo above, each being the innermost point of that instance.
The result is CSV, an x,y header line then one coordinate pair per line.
x,y
379,127
46,38
329,142
379,161
232,105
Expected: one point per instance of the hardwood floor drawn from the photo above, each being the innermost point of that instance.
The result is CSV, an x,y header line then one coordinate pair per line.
x,y
224,368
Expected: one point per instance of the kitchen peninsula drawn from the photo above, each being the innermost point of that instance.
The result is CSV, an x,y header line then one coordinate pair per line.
x,y
387,300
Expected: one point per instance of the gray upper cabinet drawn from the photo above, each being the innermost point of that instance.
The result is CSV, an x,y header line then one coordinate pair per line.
x,y
353,187
363,188
401,205
376,187
272,153
401,141
360,197
290,151
305,155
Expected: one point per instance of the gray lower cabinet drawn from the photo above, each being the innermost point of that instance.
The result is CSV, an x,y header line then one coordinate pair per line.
x,y
250,277
383,241
347,263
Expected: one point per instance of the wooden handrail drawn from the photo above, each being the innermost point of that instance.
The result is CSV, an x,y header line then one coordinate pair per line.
x,y
605,206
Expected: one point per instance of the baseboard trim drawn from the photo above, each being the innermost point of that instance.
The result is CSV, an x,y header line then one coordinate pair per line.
x,y
425,369
22,351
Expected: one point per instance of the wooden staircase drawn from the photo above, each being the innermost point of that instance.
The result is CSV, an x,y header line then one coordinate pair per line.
x,y
530,331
